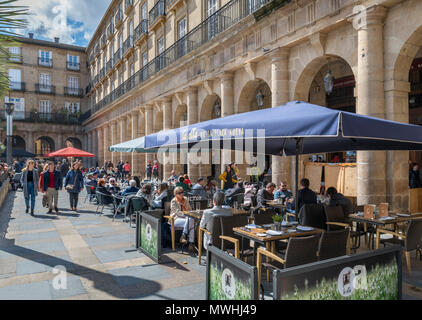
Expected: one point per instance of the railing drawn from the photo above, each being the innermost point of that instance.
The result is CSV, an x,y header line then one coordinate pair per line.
x,y
109,65
117,55
128,5
110,30
88,88
103,40
41,117
17,86
127,44
45,62
97,49
157,10
16,58
221,20
75,66
43,88
76,92
141,29
102,73
118,18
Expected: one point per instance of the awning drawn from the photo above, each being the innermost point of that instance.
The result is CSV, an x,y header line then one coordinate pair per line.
x,y
136,145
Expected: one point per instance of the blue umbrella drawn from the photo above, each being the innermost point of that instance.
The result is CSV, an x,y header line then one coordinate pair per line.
x,y
295,128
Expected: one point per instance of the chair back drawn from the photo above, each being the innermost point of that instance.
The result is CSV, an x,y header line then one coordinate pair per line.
x,y
239,199
333,244
264,218
334,214
138,204
312,215
227,225
414,235
214,227
99,197
88,189
167,208
301,250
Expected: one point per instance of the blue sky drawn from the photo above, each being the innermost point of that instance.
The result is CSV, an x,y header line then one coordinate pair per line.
x,y
73,21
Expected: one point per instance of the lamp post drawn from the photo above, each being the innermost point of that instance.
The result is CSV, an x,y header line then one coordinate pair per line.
x,y
260,99
217,108
10,107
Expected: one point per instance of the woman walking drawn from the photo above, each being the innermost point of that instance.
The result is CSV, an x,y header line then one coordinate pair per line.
x,y
74,183
29,182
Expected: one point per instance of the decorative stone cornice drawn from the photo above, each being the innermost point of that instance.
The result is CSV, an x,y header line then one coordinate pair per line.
x,y
251,70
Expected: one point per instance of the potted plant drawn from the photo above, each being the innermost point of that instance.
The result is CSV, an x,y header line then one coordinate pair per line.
x,y
277,221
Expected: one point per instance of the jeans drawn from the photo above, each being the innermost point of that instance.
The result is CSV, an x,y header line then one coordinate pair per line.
x,y
188,226
73,197
31,194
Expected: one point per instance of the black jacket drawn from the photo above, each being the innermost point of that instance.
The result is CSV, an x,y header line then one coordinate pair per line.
x,y
306,196
414,179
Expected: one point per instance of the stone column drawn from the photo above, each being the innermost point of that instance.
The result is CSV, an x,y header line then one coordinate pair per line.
x,y
397,108
227,109
30,143
142,156
149,127
168,157
114,155
135,162
371,181
280,95
106,142
89,134
192,107
123,135
100,138
59,142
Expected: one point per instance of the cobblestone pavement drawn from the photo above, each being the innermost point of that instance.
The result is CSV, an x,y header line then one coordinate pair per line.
x,y
99,257
97,253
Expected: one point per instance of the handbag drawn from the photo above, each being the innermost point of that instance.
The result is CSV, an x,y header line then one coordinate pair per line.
x,y
71,186
45,201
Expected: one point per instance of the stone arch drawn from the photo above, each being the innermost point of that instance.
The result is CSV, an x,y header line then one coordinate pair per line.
x,y
17,143
207,111
247,97
74,143
43,146
179,115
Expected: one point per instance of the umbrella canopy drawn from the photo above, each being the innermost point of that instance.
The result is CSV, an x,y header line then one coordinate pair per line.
x,y
136,145
70,152
279,129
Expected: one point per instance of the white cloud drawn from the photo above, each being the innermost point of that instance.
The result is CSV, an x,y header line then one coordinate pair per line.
x,y
47,18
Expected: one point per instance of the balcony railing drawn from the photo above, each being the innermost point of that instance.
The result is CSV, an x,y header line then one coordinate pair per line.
x,y
109,65
97,49
103,41
141,29
45,62
16,58
75,66
128,5
117,55
221,20
44,88
110,30
118,18
102,73
74,92
127,44
42,117
157,11
17,86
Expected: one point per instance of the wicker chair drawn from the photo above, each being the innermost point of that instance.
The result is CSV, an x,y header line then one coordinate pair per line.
x,y
410,241
312,215
232,243
333,244
301,250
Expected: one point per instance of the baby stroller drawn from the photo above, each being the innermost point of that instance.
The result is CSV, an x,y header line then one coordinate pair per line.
x,y
16,181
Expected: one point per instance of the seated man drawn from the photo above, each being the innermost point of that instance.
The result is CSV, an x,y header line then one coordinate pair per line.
x,y
306,195
173,178
131,189
217,210
286,195
112,186
337,199
233,192
265,195
198,189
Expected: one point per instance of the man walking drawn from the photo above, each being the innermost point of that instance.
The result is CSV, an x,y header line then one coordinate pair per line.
x,y
52,184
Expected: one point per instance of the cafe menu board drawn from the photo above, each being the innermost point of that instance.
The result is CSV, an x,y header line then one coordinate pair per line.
x,y
148,233
374,275
229,278
369,211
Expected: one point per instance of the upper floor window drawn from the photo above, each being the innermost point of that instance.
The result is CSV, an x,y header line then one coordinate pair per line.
x,y
45,58
15,80
144,11
15,54
19,107
212,7
73,62
181,28
73,107
160,45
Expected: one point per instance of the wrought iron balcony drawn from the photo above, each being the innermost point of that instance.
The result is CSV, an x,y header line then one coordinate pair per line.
x,y
16,58
45,89
17,86
128,5
74,66
109,65
118,19
74,92
103,41
102,74
45,62
128,44
141,30
117,56
42,117
97,49
110,30
159,10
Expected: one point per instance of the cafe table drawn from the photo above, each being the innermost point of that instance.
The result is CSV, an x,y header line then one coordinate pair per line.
x,y
377,221
256,235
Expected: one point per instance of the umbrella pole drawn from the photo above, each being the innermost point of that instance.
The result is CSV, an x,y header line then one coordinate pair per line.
x,y
297,177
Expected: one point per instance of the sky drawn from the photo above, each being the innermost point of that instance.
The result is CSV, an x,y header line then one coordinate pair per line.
x,y
73,21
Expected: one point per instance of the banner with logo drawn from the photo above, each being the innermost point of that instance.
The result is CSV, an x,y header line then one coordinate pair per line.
x,y
229,278
374,275
148,234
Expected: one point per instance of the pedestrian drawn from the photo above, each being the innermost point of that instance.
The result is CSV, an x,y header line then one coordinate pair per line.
x,y
414,177
29,181
74,183
227,178
52,185
149,170
126,168
155,169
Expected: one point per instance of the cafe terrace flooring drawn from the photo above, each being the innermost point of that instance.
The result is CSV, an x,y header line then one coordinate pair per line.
x,y
100,258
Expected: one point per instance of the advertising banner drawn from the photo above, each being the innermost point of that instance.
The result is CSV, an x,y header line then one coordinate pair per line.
x,y
148,234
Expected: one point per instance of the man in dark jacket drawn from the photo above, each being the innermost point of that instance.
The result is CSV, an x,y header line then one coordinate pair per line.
x,y
337,199
52,184
306,195
64,168
233,192
265,195
414,177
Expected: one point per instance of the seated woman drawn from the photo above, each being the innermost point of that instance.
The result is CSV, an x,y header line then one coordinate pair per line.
x,y
101,187
182,184
178,205
131,189
160,196
146,193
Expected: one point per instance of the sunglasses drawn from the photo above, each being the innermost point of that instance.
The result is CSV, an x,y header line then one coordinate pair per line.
x,y
179,193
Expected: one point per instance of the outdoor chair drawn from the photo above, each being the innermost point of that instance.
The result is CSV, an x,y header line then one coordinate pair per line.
x,y
90,193
264,218
104,200
336,221
173,230
409,241
118,203
333,244
138,204
201,204
214,232
300,250
232,243
312,215
238,199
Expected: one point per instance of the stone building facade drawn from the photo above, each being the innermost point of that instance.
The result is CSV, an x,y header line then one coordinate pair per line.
x,y
46,81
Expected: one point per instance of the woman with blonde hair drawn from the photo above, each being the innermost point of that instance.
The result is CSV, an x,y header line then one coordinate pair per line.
x,y
29,181
74,183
